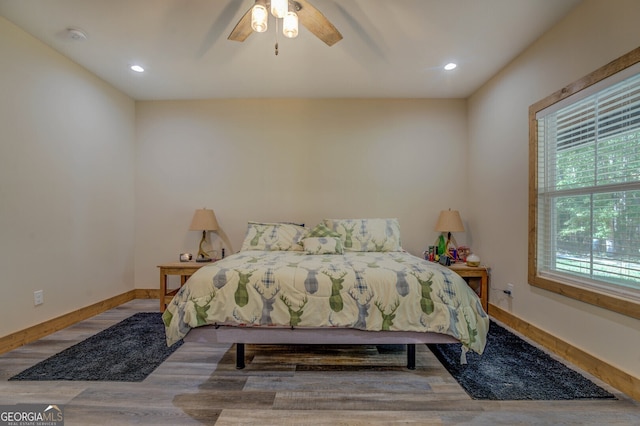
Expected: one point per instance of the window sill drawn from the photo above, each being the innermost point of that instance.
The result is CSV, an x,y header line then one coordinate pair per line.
x,y
628,307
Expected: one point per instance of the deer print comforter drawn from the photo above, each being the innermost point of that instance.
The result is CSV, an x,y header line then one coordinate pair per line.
x,y
363,290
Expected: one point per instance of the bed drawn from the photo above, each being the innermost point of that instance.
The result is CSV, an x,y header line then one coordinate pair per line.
x,y
343,281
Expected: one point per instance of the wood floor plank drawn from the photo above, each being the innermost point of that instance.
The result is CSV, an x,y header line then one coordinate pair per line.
x,y
125,416
326,417
36,392
370,401
389,382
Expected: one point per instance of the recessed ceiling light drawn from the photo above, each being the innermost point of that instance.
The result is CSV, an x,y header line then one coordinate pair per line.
x,y
450,66
137,68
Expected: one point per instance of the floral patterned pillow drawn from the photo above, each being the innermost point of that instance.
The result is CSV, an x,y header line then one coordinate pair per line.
x,y
323,245
367,234
274,237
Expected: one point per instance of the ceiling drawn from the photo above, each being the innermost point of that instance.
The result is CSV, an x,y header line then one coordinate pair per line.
x,y
391,48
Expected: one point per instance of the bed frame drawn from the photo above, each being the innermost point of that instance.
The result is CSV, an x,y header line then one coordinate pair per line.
x,y
312,336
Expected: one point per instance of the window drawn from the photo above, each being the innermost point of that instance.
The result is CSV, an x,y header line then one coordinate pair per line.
x,y
585,188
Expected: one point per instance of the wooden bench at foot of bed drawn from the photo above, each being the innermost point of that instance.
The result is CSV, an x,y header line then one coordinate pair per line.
x,y
312,336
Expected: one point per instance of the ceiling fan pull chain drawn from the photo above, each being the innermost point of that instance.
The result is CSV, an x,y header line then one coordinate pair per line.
x,y
276,36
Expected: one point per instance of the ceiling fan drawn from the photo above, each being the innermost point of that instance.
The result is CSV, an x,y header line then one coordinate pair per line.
x,y
312,19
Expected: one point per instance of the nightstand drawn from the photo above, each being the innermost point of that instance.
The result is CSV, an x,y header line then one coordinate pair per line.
x,y
477,277
184,269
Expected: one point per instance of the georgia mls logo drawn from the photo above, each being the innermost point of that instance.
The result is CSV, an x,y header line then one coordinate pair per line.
x,y
31,415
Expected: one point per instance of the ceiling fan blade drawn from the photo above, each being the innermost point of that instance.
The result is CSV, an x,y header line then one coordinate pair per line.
x,y
317,23
243,29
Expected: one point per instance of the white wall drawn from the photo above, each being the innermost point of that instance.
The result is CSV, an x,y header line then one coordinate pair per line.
x,y
66,184
595,33
293,160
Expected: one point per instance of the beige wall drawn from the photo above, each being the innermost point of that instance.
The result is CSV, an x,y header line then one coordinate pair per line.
x,y
293,160
595,33
66,184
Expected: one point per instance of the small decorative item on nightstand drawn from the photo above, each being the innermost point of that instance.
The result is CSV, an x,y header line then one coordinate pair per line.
x,y
473,260
463,252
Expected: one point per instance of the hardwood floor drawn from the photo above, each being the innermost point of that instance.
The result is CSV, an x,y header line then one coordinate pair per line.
x,y
199,385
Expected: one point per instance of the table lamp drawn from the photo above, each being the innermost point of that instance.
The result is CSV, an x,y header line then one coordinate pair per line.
x,y
203,220
449,221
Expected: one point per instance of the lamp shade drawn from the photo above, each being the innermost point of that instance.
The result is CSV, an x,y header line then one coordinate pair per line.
x,y
259,18
290,25
449,221
204,220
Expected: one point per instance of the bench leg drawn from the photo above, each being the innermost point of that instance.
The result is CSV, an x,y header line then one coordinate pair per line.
x,y
411,356
239,356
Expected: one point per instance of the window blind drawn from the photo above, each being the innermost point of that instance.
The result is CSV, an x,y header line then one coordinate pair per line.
x,y
588,189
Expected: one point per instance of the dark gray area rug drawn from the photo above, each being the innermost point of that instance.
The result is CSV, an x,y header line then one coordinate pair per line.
x,y
512,369
125,352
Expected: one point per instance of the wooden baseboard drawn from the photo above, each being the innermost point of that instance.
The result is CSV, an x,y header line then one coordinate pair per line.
x,y
28,335
607,373
147,293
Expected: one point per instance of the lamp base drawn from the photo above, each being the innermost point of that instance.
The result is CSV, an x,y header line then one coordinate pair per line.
x,y
202,255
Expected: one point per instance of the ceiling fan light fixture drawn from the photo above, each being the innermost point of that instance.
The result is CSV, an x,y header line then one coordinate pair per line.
x,y
259,18
256,18
290,25
279,8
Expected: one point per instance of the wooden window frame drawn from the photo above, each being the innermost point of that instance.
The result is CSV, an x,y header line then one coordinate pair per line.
x,y
612,302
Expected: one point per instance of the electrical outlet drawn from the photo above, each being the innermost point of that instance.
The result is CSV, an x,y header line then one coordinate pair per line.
x,y
38,297
509,290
